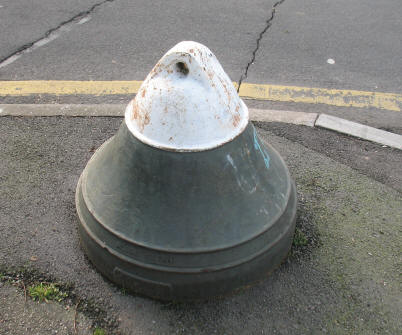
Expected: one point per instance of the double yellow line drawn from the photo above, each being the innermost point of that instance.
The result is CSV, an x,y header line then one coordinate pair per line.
x,y
310,95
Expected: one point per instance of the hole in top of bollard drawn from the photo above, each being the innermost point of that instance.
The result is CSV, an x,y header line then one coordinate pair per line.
x,y
182,68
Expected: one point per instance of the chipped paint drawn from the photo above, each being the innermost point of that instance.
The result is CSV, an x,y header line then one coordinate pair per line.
x,y
187,103
242,182
262,150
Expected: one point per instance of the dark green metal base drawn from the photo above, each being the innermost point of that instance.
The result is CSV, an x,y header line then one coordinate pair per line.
x,y
172,236
172,284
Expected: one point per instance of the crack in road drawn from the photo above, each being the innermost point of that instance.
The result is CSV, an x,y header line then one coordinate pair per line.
x,y
268,24
51,34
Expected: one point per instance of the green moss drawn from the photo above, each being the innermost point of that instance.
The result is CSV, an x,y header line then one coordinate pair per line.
x,y
357,220
42,287
46,292
299,238
99,331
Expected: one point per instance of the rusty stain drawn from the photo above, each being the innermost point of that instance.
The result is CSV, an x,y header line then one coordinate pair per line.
x,y
236,117
156,70
236,120
146,119
172,107
142,118
135,112
226,91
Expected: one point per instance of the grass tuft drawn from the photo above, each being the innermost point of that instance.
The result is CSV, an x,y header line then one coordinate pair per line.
x,y
299,239
99,331
45,292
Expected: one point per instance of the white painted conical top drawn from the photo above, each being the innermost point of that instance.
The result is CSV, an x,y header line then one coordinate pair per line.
x,y
187,102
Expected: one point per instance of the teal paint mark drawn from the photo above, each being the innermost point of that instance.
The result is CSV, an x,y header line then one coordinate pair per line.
x,y
262,150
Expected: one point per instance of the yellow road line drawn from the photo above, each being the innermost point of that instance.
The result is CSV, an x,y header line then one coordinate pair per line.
x,y
310,95
69,87
333,97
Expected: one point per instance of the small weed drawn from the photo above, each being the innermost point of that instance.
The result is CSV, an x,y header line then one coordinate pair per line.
x,y
46,292
299,239
41,287
99,331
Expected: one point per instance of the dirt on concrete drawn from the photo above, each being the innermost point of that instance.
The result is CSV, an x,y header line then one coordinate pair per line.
x,y
379,162
341,278
20,315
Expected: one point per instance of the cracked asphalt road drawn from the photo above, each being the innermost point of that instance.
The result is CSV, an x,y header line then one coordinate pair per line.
x,y
123,39
265,41
24,22
262,41
268,24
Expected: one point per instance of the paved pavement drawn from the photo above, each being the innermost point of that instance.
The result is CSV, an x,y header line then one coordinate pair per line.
x,y
122,40
345,280
23,22
20,317
362,37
